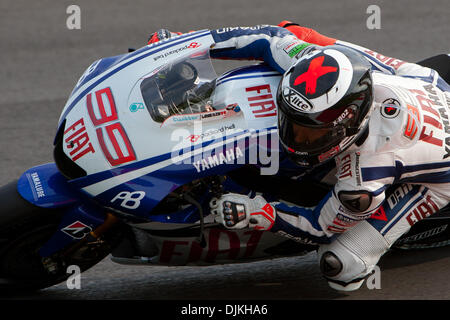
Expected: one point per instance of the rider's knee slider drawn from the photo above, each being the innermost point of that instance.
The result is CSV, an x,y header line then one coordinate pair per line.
x,y
352,256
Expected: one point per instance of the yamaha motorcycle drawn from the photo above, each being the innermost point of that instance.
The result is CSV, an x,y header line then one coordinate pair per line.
x,y
144,142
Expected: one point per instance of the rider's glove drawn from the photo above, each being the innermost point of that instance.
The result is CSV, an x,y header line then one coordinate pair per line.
x,y
236,211
161,34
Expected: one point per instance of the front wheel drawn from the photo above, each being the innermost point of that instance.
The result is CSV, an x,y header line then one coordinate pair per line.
x,y
24,229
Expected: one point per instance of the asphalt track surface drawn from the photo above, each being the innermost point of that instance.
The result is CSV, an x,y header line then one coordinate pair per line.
x,y
41,60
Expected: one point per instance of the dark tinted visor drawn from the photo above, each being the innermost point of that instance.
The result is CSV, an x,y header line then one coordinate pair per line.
x,y
306,139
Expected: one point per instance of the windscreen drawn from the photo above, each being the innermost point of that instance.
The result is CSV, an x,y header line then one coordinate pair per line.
x,y
185,86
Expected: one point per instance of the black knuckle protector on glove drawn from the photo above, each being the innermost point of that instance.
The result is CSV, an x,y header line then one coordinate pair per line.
x,y
233,212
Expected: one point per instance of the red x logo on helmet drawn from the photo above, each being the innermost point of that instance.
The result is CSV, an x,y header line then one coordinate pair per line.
x,y
314,72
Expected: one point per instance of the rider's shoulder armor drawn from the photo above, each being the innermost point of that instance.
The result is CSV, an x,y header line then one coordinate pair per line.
x,y
394,123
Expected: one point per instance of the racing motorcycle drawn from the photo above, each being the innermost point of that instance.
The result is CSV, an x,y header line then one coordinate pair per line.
x,y
144,142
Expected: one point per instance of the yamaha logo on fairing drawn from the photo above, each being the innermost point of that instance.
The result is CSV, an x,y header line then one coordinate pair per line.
x,y
229,156
296,100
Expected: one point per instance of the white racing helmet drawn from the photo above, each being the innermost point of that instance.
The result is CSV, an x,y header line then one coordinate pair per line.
x,y
324,104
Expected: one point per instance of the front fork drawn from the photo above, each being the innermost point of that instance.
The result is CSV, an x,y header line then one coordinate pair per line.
x,y
50,261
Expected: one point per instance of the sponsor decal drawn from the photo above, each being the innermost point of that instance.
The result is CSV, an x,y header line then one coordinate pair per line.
x,y
77,230
341,223
295,47
129,200
181,118
423,235
288,47
348,113
212,114
433,100
392,62
233,107
296,100
192,45
37,185
433,117
390,108
228,29
220,243
193,138
295,238
347,219
329,154
412,125
379,214
345,169
77,140
262,104
357,169
423,209
398,194
222,130
219,150
204,116
343,215
134,107
229,156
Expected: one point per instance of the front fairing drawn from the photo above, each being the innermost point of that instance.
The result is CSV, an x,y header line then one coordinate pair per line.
x,y
132,160
108,132
105,124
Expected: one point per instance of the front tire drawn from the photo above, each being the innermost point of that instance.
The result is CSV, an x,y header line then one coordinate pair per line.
x,y
24,229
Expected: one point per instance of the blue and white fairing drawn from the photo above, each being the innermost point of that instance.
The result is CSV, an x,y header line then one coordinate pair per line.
x,y
131,158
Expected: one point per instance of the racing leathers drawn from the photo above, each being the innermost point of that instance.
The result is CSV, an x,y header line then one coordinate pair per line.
x,y
395,176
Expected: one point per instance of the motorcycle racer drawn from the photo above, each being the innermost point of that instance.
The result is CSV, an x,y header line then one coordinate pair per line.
x,y
385,123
